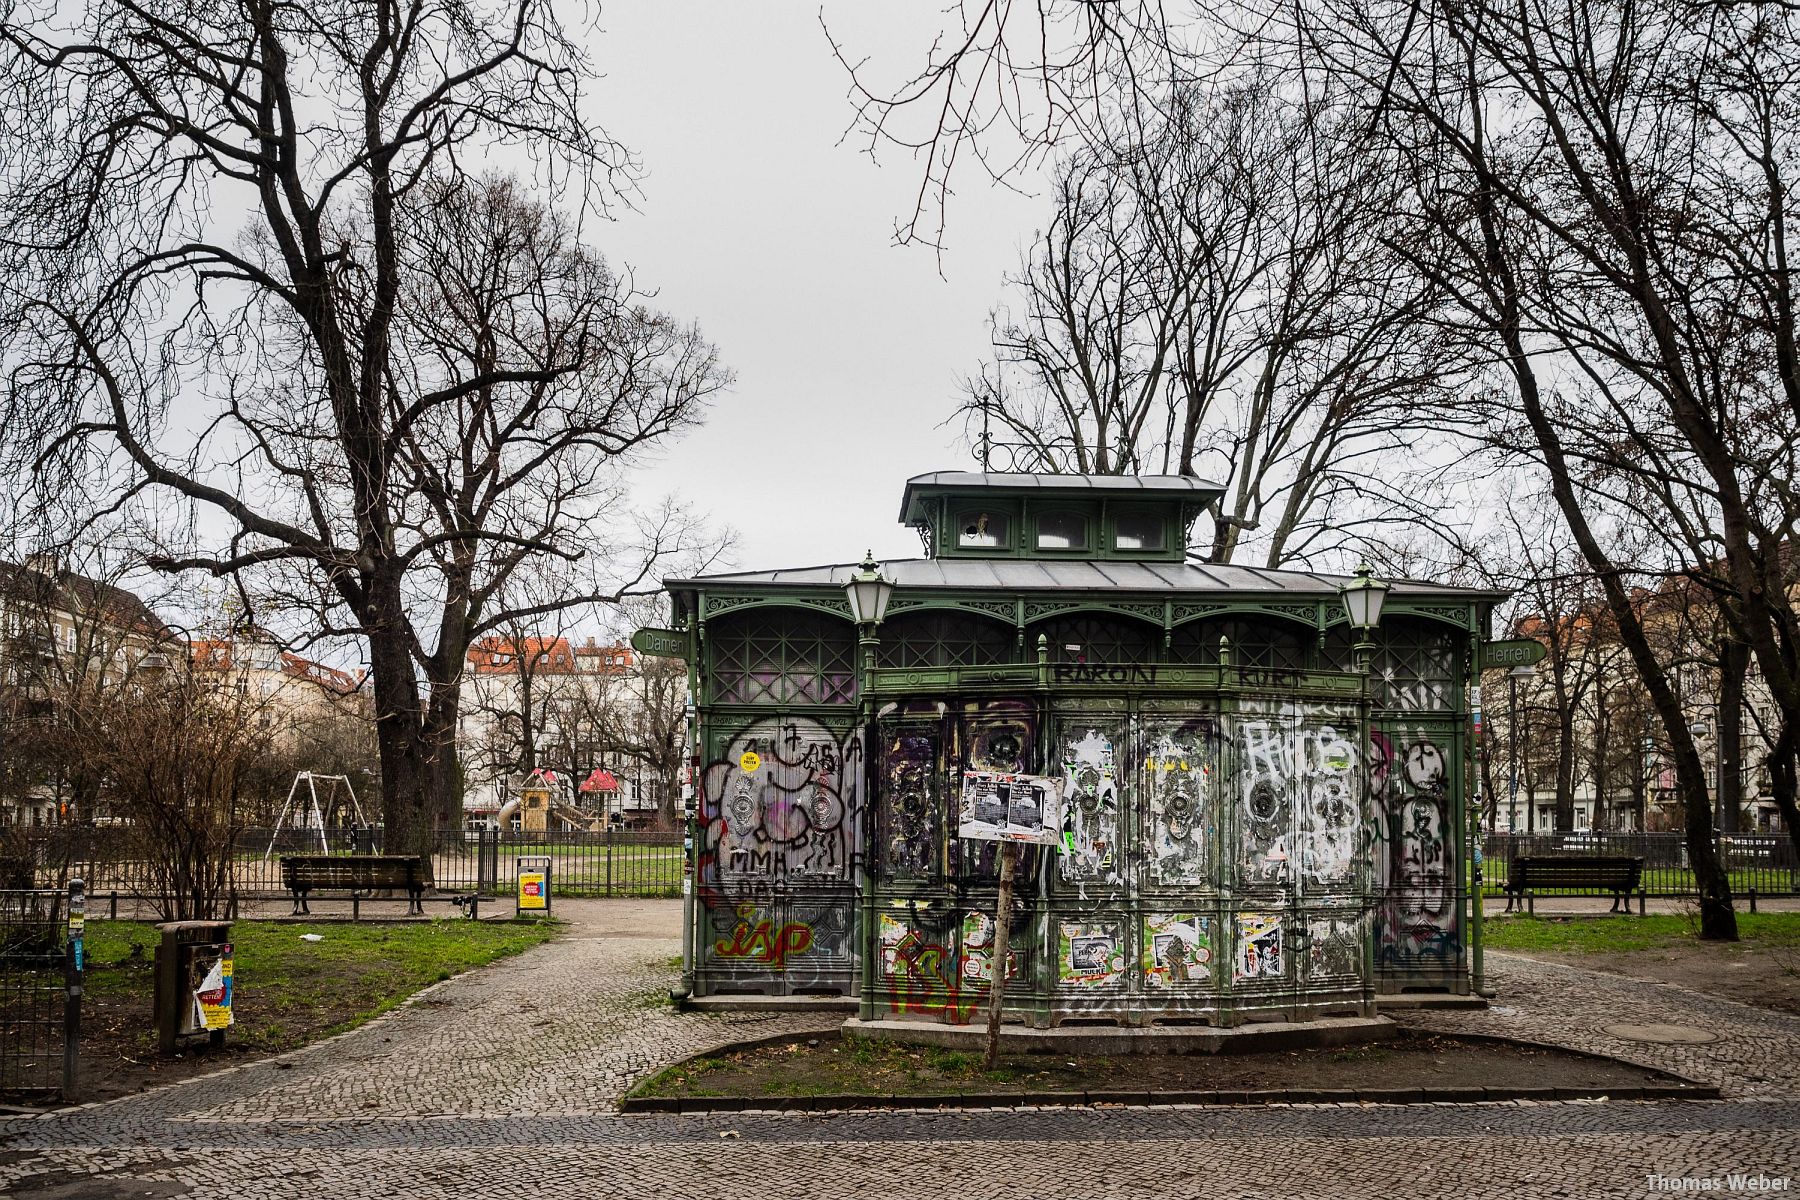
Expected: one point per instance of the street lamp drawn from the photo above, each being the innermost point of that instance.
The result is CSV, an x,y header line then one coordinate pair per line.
x,y
1714,731
1512,743
1363,598
868,592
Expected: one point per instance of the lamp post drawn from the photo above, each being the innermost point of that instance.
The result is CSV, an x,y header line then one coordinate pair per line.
x,y
1363,597
1512,744
868,592
1714,730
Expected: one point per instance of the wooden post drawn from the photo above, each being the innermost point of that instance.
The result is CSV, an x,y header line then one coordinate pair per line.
x,y
997,983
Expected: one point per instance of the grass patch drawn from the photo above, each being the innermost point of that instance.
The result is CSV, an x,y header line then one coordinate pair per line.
x,y
289,991
1622,934
832,1066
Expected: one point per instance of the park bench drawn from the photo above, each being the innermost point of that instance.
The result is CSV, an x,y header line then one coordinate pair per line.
x,y
358,874
1617,874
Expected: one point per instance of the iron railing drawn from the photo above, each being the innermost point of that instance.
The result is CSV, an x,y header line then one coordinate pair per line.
x,y
1759,864
40,994
116,861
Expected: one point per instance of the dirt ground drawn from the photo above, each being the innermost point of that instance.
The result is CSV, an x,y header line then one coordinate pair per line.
x,y
1766,976
830,1065
118,1051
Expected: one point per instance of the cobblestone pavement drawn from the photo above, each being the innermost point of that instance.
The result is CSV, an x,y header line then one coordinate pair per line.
x,y
503,1082
1756,1052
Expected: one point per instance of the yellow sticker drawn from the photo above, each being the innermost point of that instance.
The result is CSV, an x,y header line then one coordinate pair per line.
x,y
749,761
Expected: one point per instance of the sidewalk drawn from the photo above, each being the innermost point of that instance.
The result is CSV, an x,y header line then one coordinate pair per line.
x,y
504,1081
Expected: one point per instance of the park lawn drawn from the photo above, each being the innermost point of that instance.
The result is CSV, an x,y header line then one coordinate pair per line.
x,y
1661,881
287,991
1619,934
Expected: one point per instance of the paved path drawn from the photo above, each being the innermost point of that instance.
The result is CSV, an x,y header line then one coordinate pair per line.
x,y
502,1083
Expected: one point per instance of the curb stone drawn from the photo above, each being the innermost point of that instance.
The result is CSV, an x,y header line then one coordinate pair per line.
x,y
1331,1097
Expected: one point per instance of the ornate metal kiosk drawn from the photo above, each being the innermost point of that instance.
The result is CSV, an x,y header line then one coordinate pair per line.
x,y
1263,806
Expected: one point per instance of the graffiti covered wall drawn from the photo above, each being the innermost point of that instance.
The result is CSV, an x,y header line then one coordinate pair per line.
x,y
782,810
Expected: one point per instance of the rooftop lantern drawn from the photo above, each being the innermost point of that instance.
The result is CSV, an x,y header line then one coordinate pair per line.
x,y
868,592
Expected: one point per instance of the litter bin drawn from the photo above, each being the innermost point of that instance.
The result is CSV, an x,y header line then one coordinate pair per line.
x,y
194,987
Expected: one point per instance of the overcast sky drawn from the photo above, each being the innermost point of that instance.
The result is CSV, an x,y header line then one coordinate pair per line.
x,y
757,223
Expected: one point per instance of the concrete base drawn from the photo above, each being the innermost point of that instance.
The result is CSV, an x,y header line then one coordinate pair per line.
x,y
1428,1000
1090,1039
787,1004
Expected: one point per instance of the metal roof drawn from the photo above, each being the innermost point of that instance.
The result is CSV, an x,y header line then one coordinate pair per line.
x,y
1162,486
1024,575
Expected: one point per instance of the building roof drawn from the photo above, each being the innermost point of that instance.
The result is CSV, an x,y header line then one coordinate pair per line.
x,y
497,655
78,595
221,654
1024,575
1198,491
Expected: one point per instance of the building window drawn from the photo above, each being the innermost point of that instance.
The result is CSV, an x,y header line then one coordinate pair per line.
x,y
1062,531
981,530
1414,667
1265,643
939,639
1138,531
1096,639
783,656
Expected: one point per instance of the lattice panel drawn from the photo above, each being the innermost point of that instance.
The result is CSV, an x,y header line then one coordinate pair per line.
x,y
1097,638
1263,644
782,656
944,639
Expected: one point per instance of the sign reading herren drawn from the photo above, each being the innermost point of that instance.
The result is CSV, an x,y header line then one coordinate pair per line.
x,y
1513,652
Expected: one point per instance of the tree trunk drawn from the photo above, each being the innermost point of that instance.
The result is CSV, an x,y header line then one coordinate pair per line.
x,y
1784,782
1565,768
444,784
406,809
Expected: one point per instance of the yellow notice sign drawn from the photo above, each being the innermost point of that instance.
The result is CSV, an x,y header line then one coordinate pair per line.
x,y
212,999
533,890
748,761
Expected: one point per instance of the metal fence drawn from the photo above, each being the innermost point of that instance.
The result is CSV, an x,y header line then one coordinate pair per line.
x,y
114,860
1758,864
40,997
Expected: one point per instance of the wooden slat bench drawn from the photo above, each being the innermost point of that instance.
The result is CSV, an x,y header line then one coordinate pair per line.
x,y
358,874
1617,874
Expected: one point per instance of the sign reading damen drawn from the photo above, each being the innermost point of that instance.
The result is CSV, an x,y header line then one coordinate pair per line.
x,y
661,643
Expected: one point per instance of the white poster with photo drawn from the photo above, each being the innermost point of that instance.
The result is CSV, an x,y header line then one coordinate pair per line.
x,y
999,807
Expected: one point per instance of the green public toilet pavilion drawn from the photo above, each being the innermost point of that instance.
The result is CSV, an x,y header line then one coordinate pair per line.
x,y
1264,806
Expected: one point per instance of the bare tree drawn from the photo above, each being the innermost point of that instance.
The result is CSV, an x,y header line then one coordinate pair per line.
x,y
1606,201
1216,299
405,381
1005,85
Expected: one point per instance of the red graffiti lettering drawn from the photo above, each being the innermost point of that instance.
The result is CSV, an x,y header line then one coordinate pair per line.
x,y
762,941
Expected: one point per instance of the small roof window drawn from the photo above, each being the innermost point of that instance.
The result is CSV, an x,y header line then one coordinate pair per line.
x,y
1139,531
1061,531
981,530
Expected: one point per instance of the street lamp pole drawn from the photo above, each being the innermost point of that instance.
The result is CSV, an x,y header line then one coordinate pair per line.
x,y
868,593
1512,745
1363,597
